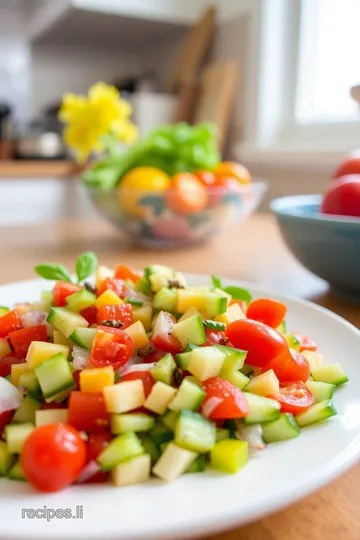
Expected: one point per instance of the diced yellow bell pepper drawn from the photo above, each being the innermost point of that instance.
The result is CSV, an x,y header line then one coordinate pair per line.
x,y
39,351
229,455
16,371
144,314
108,298
5,348
95,380
233,313
137,332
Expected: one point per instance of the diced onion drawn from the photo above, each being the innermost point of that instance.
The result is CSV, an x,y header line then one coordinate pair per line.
x,y
33,318
136,367
81,358
251,434
210,405
10,397
135,295
88,472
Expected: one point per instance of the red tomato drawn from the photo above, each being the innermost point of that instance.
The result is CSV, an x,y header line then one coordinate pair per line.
x,y
350,165
306,344
162,336
111,347
186,195
294,398
7,362
87,412
234,404
145,376
267,311
116,285
343,197
94,446
10,322
125,272
289,366
53,456
62,290
46,406
262,342
21,339
213,338
5,419
154,356
119,312
90,314
76,377
206,177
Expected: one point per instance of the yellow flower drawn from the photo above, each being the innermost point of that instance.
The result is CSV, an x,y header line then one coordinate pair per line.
x,y
82,137
125,131
72,105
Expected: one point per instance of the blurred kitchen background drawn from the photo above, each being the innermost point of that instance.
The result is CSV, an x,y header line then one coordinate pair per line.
x,y
275,75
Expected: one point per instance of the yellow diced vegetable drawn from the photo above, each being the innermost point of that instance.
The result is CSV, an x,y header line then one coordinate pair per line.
x,y
229,455
60,339
108,298
16,371
5,348
137,332
144,315
95,380
124,396
39,351
233,313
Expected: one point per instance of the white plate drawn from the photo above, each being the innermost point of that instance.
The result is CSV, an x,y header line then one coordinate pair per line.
x,y
205,503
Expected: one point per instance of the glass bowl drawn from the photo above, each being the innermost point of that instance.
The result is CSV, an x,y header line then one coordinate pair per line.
x,y
146,217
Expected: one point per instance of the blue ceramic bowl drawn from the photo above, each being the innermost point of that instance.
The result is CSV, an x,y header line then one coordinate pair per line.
x,y
328,246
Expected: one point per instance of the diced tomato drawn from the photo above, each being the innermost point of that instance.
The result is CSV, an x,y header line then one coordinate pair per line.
x,y
5,419
289,366
111,347
90,314
125,272
94,446
262,342
234,404
87,412
162,336
62,290
119,312
21,339
214,338
7,362
76,377
294,397
306,344
267,311
10,322
116,285
52,405
144,376
154,356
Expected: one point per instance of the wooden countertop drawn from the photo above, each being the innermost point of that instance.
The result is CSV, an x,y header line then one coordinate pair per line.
x,y
39,169
247,253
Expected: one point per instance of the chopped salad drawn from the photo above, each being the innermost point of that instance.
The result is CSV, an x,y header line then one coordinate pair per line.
x,y
140,374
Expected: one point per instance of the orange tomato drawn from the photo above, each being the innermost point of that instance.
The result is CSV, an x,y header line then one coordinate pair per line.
x,y
206,177
233,170
186,195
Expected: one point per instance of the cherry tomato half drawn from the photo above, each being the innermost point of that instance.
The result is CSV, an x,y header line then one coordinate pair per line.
x,y
125,272
62,290
289,366
262,342
119,312
111,347
234,404
115,285
267,311
53,456
214,338
10,322
294,397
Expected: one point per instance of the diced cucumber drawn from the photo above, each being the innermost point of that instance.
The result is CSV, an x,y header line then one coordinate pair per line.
x,y
143,285
316,413
16,434
235,377
135,471
194,380
161,434
66,321
80,300
16,472
173,462
222,434
16,371
232,313
4,310
189,299
214,325
84,337
40,351
6,459
144,314
262,409
248,370
124,396
194,432
165,299
29,381
169,419
189,313
281,429
122,423
163,446
282,327
292,341
214,304
51,416
164,369
229,455
332,374
159,398
320,390
183,359
198,465
150,447
190,331
265,384
315,359
189,396
26,412
206,362
120,449
54,376
234,358
60,339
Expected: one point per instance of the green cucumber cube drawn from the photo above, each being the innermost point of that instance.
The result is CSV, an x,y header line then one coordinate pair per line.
x,y
194,432
83,337
316,413
285,427
120,449
169,419
55,377
164,369
165,299
234,358
190,330
189,396
26,412
80,300
261,409
332,374
16,434
7,459
161,434
65,320
198,465
122,423
16,472
320,390
206,362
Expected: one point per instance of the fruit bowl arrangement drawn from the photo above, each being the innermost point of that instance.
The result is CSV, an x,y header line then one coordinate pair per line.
x,y
167,189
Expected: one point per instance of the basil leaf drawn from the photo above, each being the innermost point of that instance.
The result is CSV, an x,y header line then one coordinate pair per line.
x,y
214,325
238,293
216,282
53,271
86,265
